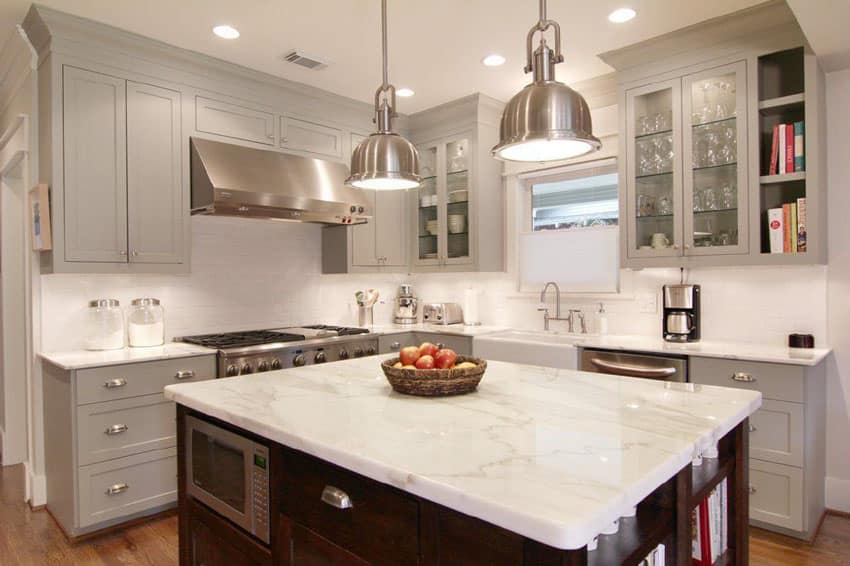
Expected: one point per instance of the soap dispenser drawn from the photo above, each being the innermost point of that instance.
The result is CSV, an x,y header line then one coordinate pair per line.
x,y
602,320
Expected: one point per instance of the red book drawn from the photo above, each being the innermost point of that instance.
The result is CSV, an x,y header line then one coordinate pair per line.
x,y
704,535
786,224
774,151
789,149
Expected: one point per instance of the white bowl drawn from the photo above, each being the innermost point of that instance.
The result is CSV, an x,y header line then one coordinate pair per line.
x,y
457,223
460,195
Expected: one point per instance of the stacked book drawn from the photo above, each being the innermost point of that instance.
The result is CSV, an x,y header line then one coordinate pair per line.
x,y
787,227
710,536
787,153
654,558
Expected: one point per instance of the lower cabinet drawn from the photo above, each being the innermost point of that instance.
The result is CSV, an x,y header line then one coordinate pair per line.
x,y
303,546
776,494
391,343
213,541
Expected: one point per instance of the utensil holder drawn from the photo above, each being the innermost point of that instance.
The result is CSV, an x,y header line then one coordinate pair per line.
x,y
365,316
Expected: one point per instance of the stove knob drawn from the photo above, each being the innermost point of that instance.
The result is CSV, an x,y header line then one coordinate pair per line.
x,y
343,354
298,360
358,351
263,366
360,209
231,371
371,351
246,368
321,358
276,364
353,209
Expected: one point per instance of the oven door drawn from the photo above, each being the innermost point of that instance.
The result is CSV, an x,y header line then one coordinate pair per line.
x,y
219,471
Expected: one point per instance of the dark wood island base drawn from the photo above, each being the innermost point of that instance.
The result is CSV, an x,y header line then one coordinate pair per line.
x,y
388,526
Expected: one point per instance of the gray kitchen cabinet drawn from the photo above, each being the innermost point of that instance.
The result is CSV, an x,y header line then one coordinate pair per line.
x,y
155,208
311,138
95,159
392,343
787,447
110,440
234,121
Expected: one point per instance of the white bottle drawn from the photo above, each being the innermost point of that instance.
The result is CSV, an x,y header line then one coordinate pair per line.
x,y
602,320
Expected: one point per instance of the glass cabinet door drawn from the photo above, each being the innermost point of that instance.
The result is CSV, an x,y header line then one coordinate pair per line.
x,y
457,201
715,179
428,241
654,165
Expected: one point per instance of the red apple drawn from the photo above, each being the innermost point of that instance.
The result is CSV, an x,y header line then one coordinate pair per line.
x,y
446,358
409,355
425,362
428,349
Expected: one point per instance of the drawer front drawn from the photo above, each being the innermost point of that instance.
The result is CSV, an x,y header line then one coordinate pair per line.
x,y
381,526
460,344
782,382
776,433
114,489
132,380
393,343
776,494
233,121
121,428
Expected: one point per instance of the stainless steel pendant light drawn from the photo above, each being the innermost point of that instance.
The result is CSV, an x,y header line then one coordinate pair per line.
x,y
546,120
384,160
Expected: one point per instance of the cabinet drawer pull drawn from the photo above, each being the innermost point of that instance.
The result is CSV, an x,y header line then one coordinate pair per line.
x,y
115,429
743,377
117,488
335,497
751,488
752,427
184,374
395,345
441,346
113,383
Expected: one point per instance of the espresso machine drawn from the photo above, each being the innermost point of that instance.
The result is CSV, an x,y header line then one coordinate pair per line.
x,y
680,322
406,306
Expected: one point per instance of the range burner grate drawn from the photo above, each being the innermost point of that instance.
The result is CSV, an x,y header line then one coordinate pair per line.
x,y
340,330
242,339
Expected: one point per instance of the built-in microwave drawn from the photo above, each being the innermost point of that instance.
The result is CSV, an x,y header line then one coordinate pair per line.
x,y
230,474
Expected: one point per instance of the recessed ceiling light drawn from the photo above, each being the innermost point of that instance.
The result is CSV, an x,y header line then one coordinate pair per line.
x,y
493,60
226,32
405,92
621,15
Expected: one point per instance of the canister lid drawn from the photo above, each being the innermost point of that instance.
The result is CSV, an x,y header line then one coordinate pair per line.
x,y
144,301
104,303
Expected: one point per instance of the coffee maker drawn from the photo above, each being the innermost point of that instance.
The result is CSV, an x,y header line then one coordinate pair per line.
x,y
406,306
680,321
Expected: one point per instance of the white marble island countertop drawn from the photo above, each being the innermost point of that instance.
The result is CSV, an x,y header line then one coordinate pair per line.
x,y
554,455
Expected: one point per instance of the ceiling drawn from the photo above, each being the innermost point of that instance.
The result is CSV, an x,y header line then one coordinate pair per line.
x,y
825,24
436,46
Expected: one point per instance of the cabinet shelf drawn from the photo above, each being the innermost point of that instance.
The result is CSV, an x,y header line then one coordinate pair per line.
x,y
788,177
650,175
636,537
716,210
716,121
650,134
781,104
710,167
655,216
458,172
707,476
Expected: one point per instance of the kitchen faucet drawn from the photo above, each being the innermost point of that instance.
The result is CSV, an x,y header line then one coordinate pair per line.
x,y
545,309
573,313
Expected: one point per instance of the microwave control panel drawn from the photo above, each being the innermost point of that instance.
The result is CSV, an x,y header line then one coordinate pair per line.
x,y
261,492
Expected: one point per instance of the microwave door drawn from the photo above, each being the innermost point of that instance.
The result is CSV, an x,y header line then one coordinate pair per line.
x,y
218,473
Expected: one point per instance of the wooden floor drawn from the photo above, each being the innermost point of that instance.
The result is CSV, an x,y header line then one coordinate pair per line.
x,y
32,538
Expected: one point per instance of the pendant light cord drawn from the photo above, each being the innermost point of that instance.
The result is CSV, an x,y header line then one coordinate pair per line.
x,y
542,25
384,40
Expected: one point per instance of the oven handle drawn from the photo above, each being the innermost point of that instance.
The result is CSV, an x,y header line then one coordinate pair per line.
x,y
633,370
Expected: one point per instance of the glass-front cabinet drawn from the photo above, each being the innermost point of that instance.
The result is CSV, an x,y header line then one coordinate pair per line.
x,y
686,159
443,203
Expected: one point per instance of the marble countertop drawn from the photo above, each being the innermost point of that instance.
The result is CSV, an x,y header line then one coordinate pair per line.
x,y
555,455
454,329
727,350
81,359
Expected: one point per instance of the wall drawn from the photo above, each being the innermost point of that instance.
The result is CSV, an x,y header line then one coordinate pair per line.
x,y
838,370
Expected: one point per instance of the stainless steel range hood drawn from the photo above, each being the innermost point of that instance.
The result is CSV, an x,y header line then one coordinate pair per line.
x,y
231,180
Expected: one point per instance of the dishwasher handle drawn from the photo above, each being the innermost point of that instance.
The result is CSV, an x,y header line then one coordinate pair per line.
x,y
633,370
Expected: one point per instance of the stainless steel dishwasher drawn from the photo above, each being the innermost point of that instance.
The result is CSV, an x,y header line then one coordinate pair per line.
x,y
634,364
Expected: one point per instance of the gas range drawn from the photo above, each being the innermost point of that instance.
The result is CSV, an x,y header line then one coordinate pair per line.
x,y
255,351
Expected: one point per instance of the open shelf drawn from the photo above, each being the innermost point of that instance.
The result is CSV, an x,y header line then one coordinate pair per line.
x,y
771,179
706,477
636,537
781,104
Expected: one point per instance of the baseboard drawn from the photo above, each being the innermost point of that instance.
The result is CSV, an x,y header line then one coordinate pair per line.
x,y
838,494
36,487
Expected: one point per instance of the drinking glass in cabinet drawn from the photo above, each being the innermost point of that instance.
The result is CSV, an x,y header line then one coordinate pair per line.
x,y
456,156
714,99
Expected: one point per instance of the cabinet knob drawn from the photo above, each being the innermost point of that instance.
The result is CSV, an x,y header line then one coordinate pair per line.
x,y
687,246
751,488
284,140
117,488
743,377
675,246
115,429
122,252
271,136
335,497
134,253
113,383
184,374
395,345
752,428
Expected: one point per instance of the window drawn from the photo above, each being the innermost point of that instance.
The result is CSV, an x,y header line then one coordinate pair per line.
x,y
570,234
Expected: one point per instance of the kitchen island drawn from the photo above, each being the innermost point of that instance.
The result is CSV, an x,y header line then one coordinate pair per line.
x,y
529,469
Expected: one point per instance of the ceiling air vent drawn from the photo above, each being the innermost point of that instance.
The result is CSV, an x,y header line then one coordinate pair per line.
x,y
305,60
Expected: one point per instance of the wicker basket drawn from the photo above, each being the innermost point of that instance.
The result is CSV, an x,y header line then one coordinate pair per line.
x,y
435,382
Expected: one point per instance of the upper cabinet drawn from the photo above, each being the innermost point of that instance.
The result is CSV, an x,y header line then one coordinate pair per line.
x,y
457,214
123,190
234,121
310,138
700,114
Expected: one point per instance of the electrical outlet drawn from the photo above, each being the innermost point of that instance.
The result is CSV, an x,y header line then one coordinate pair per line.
x,y
648,303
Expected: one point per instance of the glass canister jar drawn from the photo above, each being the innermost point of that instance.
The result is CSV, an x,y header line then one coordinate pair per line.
x,y
104,328
146,323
